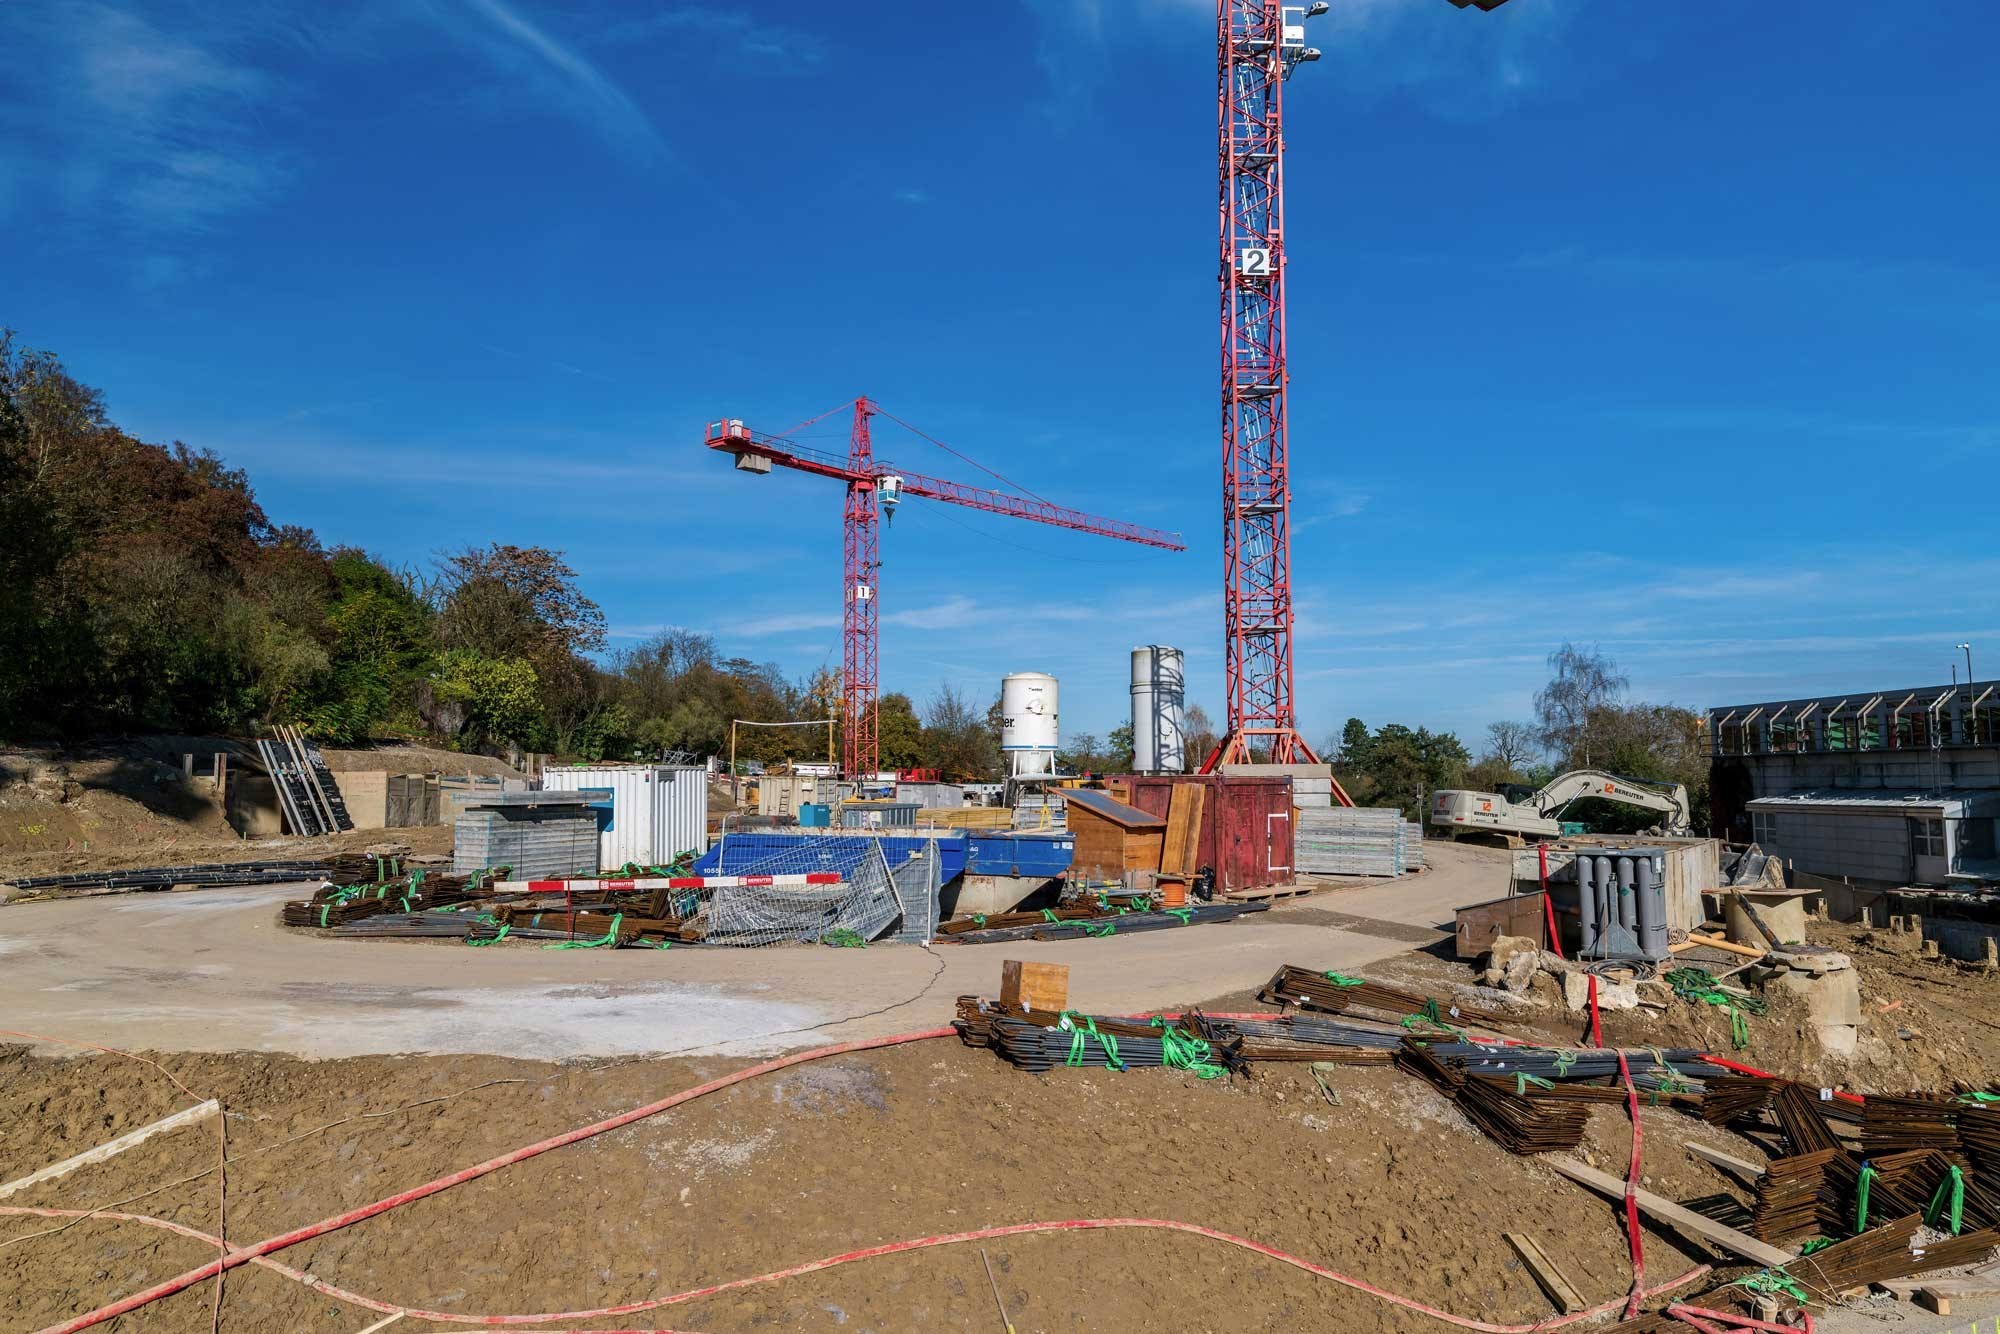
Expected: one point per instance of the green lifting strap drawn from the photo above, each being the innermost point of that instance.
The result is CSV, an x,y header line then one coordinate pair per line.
x,y
1775,1281
1564,1060
1182,1051
1523,1081
1866,1179
1185,914
494,939
1343,980
1048,915
1105,1041
608,938
1949,1202
1100,929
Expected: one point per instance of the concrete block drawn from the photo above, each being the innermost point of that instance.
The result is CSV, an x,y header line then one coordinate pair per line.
x,y
1610,995
1512,963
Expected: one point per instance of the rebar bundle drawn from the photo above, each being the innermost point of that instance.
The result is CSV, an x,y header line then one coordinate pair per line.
x,y
1909,1121
1515,1121
1099,923
274,872
1335,992
1787,1206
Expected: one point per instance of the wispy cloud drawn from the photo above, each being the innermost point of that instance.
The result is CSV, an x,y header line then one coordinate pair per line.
x,y
578,85
910,194
722,32
138,128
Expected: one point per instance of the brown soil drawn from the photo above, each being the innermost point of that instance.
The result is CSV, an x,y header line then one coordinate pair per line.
x,y
127,803
1391,1186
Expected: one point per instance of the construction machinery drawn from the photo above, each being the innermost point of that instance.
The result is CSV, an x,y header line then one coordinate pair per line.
x,y
1521,814
875,487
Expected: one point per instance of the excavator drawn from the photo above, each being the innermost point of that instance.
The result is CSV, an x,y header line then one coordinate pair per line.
x,y
1521,814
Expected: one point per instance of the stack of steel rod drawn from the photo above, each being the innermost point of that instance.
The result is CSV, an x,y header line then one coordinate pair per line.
x,y
1979,1137
1893,1189
1036,1047
1098,923
1787,1206
1516,1122
1882,1253
1911,1121
1302,1038
1798,1113
209,874
1316,990
1075,912
426,925
1735,1099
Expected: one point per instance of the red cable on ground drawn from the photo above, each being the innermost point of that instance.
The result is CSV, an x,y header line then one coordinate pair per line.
x,y
1632,1233
1596,1028
874,1252
1681,1311
231,1259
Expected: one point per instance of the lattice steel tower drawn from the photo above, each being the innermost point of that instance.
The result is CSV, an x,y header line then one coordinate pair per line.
x,y
1259,44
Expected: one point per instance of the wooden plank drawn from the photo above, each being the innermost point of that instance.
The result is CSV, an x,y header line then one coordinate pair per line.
x,y
187,1116
1173,853
1034,986
1682,1220
1729,946
1742,1169
1559,1289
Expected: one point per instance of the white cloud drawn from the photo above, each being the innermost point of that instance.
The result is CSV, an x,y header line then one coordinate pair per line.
x,y
577,83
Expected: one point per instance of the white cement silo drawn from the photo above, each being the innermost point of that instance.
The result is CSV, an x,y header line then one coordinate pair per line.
x,y
1159,690
1028,726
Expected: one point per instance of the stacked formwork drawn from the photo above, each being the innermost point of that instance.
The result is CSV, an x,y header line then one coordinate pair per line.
x,y
538,834
1353,840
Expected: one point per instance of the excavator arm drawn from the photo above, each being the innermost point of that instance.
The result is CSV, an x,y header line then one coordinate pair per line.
x,y
1670,799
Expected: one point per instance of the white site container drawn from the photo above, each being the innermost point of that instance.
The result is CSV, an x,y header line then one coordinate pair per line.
x,y
657,810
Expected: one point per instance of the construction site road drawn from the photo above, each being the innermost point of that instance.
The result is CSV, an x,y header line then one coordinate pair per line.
x,y
211,970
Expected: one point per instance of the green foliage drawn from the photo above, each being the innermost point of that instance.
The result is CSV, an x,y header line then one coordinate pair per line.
x,y
498,696
1396,766
900,735
1118,749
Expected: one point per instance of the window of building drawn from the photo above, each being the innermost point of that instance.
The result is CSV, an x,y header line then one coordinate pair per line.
x,y
1929,837
1763,827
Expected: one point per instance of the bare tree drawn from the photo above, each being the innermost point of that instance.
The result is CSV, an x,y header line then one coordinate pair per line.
x,y
1581,681
1511,745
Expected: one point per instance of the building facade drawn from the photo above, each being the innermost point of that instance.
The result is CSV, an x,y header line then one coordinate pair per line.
x,y
1885,788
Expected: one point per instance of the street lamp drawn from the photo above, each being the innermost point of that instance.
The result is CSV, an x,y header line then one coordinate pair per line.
x,y
1968,662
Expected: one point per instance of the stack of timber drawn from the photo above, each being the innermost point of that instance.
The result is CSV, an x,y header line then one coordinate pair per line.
x,y
1333,993
1351,840
1180,851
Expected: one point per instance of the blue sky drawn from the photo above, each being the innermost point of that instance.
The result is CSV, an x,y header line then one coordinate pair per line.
x,y
1668,327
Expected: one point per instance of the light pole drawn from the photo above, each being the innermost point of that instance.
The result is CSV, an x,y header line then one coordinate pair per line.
x,y
1968,662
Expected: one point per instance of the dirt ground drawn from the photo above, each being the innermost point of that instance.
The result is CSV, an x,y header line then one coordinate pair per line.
x,y
1391,1186
127,803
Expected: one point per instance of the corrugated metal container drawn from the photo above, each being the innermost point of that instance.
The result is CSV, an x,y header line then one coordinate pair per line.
x,y
879,815
783,794
1246,823
937,796
658,811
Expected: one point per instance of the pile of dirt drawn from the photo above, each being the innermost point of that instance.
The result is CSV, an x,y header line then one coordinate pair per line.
x,y
1391,1185
405,757
92,803
1926,1023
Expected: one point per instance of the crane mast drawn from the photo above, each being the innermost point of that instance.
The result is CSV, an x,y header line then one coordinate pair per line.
x,y
1258,43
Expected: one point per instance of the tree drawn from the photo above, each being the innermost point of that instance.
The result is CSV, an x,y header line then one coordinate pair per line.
x,y
1083,754
1398,766
497,696
1118,749
1199,735
899,736
1580,682
956,738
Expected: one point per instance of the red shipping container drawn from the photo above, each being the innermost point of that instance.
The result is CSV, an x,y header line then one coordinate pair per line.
x,y
1246,823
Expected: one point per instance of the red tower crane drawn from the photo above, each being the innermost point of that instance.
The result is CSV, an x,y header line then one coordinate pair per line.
x,y
1259,43
874,486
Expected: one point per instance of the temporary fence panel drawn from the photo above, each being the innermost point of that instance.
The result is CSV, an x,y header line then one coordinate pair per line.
x,y
658,811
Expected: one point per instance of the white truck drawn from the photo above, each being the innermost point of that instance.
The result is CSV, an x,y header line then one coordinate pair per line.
x,y
1537,814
